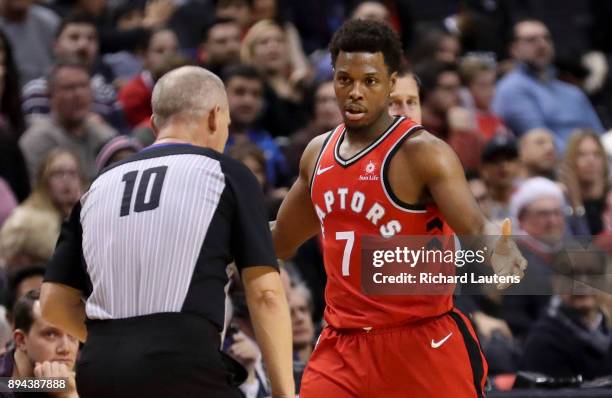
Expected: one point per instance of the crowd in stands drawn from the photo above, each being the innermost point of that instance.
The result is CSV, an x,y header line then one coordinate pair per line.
x,y
520,90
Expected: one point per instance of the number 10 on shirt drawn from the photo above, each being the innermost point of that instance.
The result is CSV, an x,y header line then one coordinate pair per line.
x,y
142,204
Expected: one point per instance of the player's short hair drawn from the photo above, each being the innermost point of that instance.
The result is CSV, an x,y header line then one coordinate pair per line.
x,y
368,36
188,89
23,313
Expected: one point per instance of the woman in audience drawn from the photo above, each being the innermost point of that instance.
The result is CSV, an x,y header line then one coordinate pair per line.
x,y
585,174
266,47
273,10
59,184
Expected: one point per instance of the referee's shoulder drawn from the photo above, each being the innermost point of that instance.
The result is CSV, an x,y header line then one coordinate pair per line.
x,y
236,169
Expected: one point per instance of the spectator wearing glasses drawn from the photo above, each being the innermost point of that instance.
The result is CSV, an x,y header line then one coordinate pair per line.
x,y
533,97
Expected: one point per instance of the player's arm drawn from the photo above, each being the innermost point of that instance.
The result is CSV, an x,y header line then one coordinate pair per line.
x,y
442,174
297,221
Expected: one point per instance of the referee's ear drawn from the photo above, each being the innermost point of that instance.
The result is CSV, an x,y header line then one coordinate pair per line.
x,y
213,119
154,126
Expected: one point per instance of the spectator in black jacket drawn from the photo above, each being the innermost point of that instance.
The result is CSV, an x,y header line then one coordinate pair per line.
x,y
573,337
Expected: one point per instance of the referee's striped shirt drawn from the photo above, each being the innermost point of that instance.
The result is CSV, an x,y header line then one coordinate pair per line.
x,y
154,234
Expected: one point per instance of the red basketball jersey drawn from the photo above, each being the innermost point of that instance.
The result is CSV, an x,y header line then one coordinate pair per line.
x,y
352,197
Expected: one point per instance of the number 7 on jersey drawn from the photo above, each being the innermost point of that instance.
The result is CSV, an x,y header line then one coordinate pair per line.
x,y
349,237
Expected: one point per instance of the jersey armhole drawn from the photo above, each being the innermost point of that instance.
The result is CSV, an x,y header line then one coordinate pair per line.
x,y
314,171
393,198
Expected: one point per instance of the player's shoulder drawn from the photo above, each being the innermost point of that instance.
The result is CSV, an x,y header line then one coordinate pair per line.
x,y
316,144
424,150
313,150
423,141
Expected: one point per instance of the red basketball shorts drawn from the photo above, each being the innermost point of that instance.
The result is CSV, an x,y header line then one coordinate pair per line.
x,y
440,357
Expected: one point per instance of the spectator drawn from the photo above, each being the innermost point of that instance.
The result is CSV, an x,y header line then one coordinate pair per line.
x,y
116,150
441,85
300,304
127,63
438,45
538,205
42,350
30,233
30,29
499,170
238,10
27,238
532,97
265,47
538,154
77,38
573,336
372,10
244,89
69,124
585,174
442,114
220,45
273,10
478,75
153,16
406,97
20,283
253,157
135,96
480,192
325,117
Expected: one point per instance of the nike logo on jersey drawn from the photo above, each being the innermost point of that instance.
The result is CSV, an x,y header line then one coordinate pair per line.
x,y
321,171
437,344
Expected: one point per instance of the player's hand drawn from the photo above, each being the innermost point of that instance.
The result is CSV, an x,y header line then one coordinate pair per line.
x,y
52,369
507,259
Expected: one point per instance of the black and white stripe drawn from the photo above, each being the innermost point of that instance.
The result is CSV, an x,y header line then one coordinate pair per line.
x,y
142,264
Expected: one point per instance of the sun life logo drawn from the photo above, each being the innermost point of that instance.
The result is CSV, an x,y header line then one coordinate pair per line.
x,y
370,169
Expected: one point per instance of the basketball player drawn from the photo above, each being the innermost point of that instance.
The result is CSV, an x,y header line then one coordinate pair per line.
x,y
383,346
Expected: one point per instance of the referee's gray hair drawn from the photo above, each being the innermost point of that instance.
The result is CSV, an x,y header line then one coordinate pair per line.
x,y
185,90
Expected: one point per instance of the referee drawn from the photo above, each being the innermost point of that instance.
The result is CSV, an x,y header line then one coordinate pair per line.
x,y
148,246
